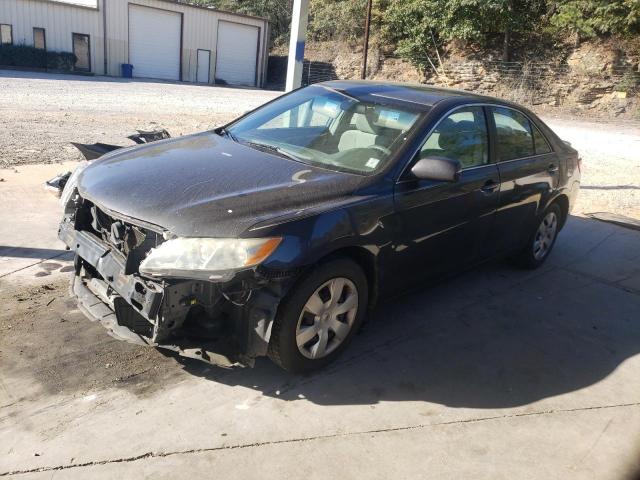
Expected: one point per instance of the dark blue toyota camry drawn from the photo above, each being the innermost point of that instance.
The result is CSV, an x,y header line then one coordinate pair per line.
x,y
277,233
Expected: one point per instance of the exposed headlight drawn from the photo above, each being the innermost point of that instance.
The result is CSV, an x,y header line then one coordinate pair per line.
x,y
72,184
207,258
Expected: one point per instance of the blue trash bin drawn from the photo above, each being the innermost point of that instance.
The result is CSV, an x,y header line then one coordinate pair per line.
x,y
127,70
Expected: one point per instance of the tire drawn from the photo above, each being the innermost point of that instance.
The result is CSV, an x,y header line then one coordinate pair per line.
x,y
313,315
542,240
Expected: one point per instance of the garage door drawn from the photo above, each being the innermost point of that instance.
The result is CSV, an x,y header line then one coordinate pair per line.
x,y
237,52
154,42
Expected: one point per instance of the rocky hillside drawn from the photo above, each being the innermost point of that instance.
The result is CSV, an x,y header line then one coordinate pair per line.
x,y
598,78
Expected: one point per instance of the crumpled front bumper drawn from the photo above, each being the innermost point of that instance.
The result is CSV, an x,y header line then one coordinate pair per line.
x,y
135,309
92,304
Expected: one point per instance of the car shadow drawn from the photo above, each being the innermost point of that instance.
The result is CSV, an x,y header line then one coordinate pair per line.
x,y
494,337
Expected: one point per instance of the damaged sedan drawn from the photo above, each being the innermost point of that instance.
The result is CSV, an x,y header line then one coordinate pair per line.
x,y
276,234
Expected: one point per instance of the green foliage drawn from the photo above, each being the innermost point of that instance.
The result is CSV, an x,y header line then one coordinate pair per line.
x,y
30,57
590,18
337,19
278,12
409,24
414,24
629,83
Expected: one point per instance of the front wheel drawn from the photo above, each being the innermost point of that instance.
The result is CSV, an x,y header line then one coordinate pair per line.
x,y
319,316
542,241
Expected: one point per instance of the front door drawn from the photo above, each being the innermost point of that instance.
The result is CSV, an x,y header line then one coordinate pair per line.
x,y
82,51
444,226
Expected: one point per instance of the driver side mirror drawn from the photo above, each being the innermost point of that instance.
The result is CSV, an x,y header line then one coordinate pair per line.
x,y
437,168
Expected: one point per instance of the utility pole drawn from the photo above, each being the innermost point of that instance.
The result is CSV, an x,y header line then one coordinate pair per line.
x,y
365,53
299,20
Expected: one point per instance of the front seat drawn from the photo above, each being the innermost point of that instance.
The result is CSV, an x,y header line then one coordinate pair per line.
x,y
363,136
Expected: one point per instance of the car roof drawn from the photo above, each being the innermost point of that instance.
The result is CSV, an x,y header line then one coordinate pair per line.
x,y
406,92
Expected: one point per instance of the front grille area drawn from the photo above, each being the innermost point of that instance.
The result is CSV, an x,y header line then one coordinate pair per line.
x,y
127,317
133,241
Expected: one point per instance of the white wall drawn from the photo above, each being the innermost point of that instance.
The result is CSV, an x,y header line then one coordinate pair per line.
x,y
200,28
59,22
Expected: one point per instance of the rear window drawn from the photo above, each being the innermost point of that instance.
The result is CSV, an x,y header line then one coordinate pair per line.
x,y
540,143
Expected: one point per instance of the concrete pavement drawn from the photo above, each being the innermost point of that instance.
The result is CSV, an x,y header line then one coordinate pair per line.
x,y
29,222
497,373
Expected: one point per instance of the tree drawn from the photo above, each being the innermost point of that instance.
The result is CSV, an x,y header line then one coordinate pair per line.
x,y
590,18
278,12
413,24
336,19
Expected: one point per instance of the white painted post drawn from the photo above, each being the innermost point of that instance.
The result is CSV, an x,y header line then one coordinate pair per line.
x,y
299,19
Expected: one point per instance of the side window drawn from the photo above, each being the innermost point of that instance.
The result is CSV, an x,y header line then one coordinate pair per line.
x,y
461,136
540,143
6,34
514,137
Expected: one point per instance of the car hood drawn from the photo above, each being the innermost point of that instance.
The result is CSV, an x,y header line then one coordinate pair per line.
x,y
206,185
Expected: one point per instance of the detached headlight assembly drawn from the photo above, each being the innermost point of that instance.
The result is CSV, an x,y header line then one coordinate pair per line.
x,y
207,258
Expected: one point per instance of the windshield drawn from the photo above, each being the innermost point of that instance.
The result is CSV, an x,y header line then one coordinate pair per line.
x,y
327,128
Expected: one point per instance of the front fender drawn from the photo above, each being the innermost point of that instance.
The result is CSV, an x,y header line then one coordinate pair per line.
x,y
364,222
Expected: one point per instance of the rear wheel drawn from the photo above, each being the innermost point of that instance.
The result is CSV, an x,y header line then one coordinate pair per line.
x,y
542,240
319,316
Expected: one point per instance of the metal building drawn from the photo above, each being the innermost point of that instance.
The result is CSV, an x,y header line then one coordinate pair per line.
x,y
163,39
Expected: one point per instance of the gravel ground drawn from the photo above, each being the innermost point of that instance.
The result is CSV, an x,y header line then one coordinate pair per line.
x,y
611,165
41,113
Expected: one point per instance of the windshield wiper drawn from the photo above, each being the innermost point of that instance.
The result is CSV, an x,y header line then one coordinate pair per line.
x,y
228,134
274,149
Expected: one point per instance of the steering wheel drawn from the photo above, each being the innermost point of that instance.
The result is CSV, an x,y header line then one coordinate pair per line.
x,y
384,150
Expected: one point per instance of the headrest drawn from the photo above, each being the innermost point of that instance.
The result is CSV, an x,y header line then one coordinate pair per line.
x,y
362,124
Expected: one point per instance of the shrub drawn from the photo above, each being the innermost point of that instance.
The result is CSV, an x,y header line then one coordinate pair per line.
x,y
30,57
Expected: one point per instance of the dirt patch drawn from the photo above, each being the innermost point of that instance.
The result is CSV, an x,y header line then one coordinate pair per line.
x,y
44,336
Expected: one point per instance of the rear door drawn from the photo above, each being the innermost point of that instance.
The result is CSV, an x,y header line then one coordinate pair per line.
x,y
444,226
529,175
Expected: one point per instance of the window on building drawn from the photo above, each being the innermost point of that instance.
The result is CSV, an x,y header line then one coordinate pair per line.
x,y
6,34
39,40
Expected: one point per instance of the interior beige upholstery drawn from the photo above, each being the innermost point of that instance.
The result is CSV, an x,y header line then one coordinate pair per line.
x,y
361,137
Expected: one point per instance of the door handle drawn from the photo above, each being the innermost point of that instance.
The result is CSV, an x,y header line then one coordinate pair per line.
x,y
553,168
489,187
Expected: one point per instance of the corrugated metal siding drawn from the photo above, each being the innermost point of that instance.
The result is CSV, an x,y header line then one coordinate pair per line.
x,y
59,22
200,27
